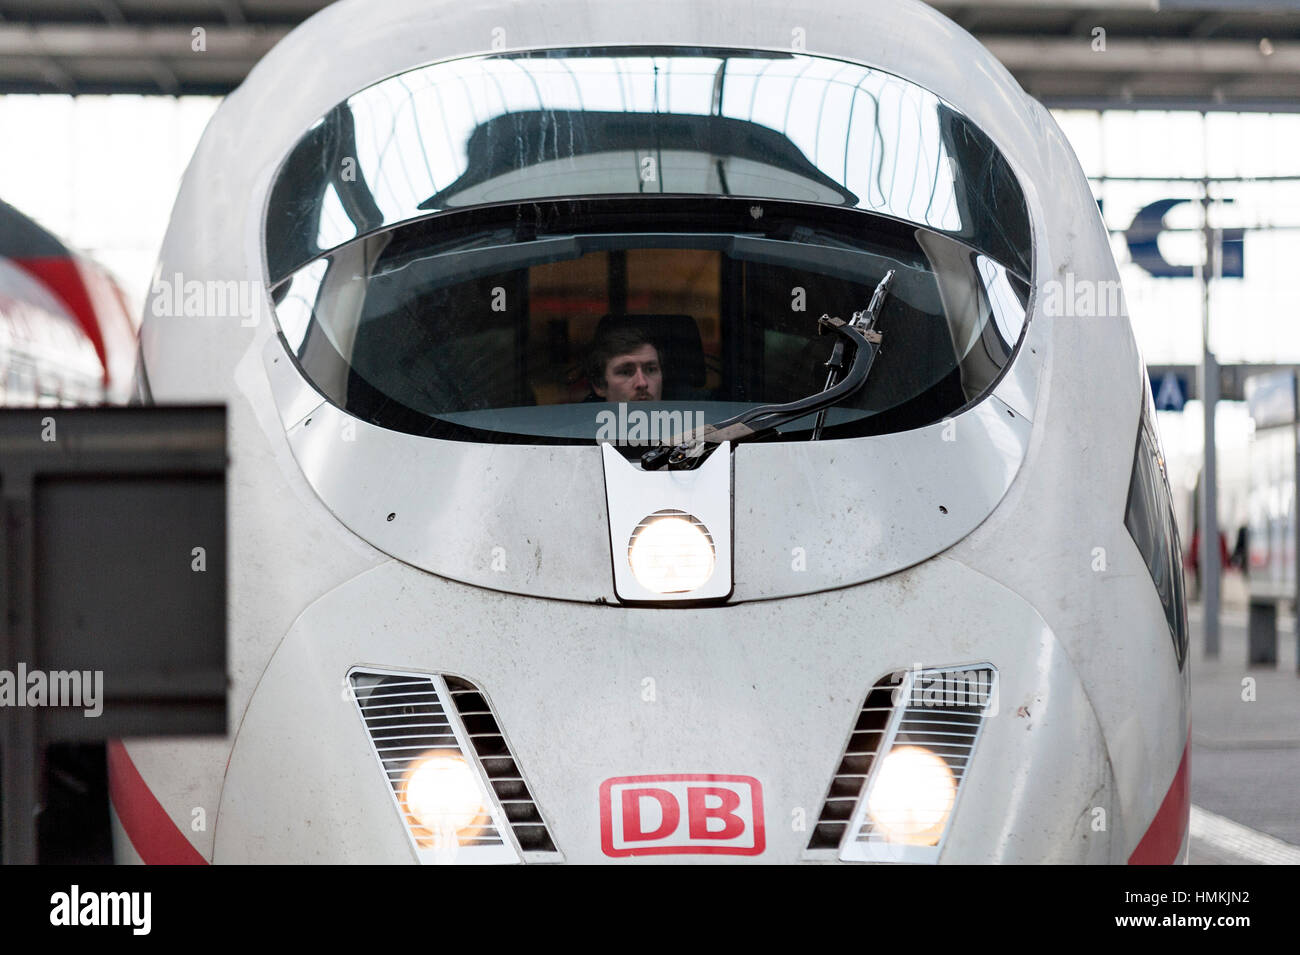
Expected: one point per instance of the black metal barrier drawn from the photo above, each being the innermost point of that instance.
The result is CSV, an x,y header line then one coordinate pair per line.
x,y
112,586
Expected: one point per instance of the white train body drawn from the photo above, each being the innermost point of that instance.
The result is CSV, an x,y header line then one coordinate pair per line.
x,y
988,537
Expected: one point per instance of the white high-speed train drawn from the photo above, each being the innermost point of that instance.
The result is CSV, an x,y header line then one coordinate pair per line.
x,y
553,537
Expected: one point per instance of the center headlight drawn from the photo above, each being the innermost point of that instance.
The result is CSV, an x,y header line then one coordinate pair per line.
x,y
440,795
912,796
671,553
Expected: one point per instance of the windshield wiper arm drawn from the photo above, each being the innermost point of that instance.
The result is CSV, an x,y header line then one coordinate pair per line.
x,y
866,321
859,332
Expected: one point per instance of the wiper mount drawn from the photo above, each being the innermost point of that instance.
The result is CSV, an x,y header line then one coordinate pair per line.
x,y
859,333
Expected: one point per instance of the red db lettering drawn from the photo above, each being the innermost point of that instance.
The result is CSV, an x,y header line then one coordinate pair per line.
x,y
725,802
681,814
633,830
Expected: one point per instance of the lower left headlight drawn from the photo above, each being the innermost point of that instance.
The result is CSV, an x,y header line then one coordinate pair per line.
x,y
459,791
442,800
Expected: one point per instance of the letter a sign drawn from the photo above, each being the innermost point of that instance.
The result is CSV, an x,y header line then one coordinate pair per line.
x,y
681,815
1170,392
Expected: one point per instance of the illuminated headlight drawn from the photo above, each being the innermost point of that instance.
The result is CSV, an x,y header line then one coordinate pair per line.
x,y
912,797
671,553
441,798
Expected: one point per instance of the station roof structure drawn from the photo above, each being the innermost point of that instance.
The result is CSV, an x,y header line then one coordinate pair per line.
x,y
1165,54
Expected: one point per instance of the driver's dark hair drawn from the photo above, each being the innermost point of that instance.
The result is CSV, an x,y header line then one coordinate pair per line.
x,y
610,342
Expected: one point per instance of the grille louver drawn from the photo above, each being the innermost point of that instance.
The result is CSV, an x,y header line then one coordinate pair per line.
x,y
498,763
855,766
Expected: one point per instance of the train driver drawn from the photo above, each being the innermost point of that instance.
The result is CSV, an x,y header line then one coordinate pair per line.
x,y
623,365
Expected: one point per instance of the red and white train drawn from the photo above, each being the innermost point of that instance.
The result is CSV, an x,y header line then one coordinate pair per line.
x,y
66,333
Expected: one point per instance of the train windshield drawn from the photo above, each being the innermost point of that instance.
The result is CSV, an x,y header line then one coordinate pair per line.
x,y
582,246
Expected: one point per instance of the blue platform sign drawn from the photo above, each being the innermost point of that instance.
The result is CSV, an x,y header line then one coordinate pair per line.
x,y
1169,391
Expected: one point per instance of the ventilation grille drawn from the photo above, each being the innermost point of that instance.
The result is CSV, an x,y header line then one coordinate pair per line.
x,y
943,711
410,715
855,766
939,709
481,729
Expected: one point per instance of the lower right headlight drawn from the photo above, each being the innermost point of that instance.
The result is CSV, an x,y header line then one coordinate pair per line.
x,y
907,761
912,797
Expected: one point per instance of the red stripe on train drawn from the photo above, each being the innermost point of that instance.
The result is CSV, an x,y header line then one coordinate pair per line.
x,y
63,277
157,839
1164,836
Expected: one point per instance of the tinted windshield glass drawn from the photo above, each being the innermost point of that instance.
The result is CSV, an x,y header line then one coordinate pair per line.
x,y
661,121
535,323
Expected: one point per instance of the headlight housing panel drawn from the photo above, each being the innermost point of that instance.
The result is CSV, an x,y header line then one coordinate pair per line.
x,y
895,792
453,779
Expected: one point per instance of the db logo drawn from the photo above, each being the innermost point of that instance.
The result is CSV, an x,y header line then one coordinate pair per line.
x,y
681,814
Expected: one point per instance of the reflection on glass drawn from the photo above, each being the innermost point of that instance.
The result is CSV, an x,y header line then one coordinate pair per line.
x,y
789,127
295,301
1008,309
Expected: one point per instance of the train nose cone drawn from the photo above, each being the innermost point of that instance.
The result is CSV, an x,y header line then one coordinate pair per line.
x,y
754,706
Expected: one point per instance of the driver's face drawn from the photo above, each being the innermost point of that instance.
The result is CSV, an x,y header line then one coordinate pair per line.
x,y
635,376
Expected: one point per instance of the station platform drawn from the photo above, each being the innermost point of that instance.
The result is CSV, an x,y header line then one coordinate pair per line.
x,y
1245,761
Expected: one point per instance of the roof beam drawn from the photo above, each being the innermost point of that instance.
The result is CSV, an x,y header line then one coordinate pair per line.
x,y
1208,27
55,75
233,12
164,77
126,42
111,12
1148,6
1125,6
1123,55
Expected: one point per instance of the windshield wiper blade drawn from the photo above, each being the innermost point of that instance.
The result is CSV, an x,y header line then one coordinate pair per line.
x,y
859,333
